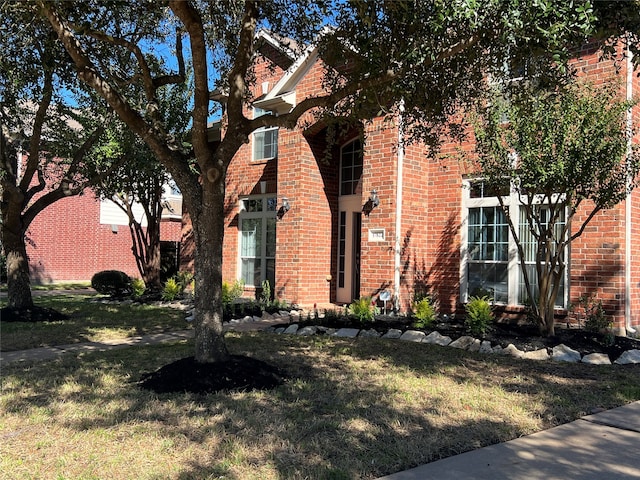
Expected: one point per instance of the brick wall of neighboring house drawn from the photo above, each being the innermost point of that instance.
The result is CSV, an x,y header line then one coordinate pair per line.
x,y
66,242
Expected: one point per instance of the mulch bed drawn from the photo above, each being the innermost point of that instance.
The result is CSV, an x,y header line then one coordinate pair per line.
x,y
31,314
240,373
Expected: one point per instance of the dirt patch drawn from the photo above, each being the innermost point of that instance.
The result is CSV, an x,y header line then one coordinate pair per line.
x,y
240,373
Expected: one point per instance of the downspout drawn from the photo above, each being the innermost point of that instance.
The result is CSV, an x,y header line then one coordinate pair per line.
x,y
628,203
398,246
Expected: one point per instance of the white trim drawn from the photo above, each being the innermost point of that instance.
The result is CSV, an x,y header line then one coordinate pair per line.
x,y
398,226
628,203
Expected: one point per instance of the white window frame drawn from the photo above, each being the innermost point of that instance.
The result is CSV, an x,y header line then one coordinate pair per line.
x,y
512,201
262,132
264,214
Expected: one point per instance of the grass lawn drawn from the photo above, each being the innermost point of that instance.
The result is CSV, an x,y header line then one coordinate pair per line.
x,y
89,322
353,408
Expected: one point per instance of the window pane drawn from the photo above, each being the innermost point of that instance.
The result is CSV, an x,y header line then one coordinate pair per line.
x,y
489,279
350,167
272,204
251,272
251,237
271,237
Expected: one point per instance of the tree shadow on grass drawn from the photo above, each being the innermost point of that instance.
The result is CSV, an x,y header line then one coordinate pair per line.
x,y
334,416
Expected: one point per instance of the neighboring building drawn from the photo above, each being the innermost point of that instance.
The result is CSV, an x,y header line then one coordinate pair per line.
x,y
376,216
78,236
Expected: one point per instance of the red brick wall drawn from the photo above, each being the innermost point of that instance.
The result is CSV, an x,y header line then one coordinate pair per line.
x,y
67,243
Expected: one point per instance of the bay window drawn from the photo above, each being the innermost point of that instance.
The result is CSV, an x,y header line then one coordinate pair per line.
x,y
490,261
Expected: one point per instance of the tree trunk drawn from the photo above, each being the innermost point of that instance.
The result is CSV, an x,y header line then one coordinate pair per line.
x,y
18,283
152,267
208,232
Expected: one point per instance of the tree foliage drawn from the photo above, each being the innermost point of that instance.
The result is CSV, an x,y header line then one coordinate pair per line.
x,y
562,151
46,137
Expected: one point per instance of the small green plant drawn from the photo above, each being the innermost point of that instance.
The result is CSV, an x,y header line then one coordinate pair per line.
x,y
595,318
265,295
479,315
231,291
363,309
423,312
183,279
138,287
172,290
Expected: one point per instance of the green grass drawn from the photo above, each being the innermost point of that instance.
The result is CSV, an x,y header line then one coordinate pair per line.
x,y
90,321
353,408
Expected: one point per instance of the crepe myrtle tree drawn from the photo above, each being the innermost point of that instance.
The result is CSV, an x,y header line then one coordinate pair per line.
x,y
433,54
561,151
141,182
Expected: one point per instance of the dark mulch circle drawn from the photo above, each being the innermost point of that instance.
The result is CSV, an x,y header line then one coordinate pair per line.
x,y
31,314
240,373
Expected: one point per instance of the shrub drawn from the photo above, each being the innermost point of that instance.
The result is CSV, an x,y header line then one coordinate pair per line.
x,y
362,309
423,312
479,315
112,282
172,290
595,318
138,286
231,291
183,279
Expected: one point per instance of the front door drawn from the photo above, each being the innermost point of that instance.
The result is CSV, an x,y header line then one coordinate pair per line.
x,y
349,240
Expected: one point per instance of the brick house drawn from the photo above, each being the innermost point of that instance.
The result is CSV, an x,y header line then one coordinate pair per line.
x,y
378,216
78,236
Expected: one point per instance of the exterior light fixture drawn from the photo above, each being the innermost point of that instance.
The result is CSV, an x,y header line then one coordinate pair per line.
x,y
371,203
284,208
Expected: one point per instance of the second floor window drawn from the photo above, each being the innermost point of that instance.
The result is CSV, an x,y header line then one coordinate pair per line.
x,y
265,139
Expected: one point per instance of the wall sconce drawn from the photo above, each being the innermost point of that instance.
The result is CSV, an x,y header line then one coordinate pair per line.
x,y
371,203
284,208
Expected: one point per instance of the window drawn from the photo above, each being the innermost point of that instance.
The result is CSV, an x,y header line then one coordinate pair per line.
x,y
258,240
490,260
350,168
265,139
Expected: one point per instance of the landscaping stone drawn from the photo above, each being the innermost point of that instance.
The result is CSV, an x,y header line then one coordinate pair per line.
x,y
326,330
512,350
280,330
256,318
597,359
497,350
630,356
412,336
436,338
541,354
485,347
246,319
291,329
562,353
307,331
371,333
347,332
392,333
464,342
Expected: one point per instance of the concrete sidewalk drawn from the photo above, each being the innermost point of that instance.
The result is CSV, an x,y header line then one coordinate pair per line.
x,y
603,446
50,353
